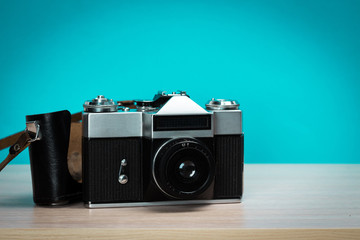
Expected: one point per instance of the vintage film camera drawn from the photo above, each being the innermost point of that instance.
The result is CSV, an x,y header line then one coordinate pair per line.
x,y
167,151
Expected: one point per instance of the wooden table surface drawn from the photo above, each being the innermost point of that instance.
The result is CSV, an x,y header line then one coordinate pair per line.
x,y
280,201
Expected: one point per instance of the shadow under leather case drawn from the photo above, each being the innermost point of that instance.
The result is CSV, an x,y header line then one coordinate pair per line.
x,y
51,180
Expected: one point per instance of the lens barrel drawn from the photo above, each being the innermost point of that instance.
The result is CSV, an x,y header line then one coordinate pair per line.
x,y
183,168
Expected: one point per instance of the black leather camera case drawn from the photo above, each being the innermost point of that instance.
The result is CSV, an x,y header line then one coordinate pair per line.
x,y
52,182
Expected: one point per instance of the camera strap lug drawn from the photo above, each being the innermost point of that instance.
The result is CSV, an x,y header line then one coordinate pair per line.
x,y
33,130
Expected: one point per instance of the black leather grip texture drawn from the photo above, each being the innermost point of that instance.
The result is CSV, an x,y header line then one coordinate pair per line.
x,y
229,166
52,182
101,165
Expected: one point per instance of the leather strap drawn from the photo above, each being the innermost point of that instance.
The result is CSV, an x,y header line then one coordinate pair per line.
x,y
10,140
74,155
20,145
127,103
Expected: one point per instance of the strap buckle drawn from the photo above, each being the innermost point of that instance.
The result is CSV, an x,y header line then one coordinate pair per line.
x,y
33,129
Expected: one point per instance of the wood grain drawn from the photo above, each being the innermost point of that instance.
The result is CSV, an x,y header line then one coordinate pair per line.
x,y
165,234
301,201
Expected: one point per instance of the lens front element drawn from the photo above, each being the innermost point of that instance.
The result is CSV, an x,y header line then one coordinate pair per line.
x,y
187,169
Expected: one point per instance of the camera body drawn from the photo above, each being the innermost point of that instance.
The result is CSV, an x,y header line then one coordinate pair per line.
x,y
167,151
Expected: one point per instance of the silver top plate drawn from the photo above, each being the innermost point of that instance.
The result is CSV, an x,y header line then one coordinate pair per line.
x,y
227,122
112,125
140,124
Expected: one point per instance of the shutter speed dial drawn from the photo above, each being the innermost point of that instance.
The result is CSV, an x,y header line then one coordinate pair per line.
x,y
222,104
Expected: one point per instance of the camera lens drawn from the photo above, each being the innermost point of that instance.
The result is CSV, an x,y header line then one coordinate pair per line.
x,y
183,168
187,169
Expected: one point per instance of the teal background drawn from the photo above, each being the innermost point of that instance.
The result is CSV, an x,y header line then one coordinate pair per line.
x,y
292,65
